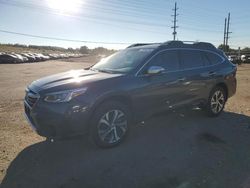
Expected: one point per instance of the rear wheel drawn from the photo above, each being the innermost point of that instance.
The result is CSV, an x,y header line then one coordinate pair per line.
x,y
216,101
110,124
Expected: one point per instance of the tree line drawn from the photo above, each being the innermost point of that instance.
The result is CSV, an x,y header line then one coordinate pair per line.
x,y
227,49
82,49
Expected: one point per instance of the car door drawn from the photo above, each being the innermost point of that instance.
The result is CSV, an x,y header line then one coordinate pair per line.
x,y
161,91
213,71
194,72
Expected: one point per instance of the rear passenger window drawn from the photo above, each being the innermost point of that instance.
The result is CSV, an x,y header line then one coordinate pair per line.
x,y
166,59
206,62
191,59
213,58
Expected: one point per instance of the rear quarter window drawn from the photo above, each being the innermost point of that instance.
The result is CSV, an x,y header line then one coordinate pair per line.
x,y
213,58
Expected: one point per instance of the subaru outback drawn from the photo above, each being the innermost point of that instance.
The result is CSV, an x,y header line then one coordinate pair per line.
x,y
127,87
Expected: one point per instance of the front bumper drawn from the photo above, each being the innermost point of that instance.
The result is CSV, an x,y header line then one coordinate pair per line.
x,y
57,120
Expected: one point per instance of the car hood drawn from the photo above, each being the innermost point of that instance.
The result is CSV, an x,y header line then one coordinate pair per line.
x,y
69,80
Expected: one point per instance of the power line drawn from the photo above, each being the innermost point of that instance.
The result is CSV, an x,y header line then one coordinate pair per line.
x,y
134,6
93,17
194,7
109,8
100,19
193,21
199,29
141,3
61,39
96,19
125,9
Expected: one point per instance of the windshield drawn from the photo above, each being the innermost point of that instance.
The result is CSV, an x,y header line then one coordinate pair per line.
x,y
123,61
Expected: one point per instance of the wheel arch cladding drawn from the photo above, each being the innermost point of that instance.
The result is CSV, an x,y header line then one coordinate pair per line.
x,y
123,99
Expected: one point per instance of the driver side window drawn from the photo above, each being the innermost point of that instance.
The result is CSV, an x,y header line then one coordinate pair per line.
x,y
167,59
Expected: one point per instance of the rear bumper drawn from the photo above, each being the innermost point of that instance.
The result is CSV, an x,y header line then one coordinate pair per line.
x,y
57,120
232,86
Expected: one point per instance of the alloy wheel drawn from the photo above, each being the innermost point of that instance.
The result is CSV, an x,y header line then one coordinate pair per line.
x,y
217,102
112,126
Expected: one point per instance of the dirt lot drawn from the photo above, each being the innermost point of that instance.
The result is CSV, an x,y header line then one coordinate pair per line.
x,y
181,149
15,134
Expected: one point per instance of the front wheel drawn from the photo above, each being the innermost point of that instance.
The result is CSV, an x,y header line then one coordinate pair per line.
x,y
110,124
216,101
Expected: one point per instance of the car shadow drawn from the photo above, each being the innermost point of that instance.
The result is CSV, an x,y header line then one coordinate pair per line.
x,y
180,149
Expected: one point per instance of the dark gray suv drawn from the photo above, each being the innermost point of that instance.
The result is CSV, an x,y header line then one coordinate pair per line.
x,y
127,87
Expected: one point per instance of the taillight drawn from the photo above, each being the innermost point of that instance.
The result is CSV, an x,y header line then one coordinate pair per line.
x,y
235,70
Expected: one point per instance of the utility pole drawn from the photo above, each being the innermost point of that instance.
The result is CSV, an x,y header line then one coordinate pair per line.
x,y
228,23
239,53
225,32
175,20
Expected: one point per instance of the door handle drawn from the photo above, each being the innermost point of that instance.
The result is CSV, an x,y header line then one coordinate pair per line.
x,y
181,79
184,81
212,73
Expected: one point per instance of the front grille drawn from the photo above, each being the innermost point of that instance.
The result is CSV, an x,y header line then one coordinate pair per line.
x,y
31,97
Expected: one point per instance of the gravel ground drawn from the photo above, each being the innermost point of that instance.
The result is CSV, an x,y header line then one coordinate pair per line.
x,y
180,149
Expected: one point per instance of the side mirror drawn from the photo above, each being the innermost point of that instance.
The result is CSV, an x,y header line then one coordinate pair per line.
x,y
153,70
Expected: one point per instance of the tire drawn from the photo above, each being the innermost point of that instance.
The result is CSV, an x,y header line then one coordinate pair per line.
x,y
216,102
110,124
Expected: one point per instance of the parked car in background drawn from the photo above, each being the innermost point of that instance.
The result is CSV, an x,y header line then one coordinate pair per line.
x,y
22,58
9,58
63,56
30,57
37,57
53,56
245,58
43,57
128,87
234,59
248,59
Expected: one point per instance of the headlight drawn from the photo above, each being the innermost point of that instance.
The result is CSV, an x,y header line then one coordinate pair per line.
x,y
64,96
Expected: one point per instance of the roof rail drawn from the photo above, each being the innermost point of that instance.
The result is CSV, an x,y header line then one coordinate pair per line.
x,y
173,43
140,44
178,44
204,45
190,41
181,42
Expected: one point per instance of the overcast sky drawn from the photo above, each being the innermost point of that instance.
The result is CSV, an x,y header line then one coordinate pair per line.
x,y
126,21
